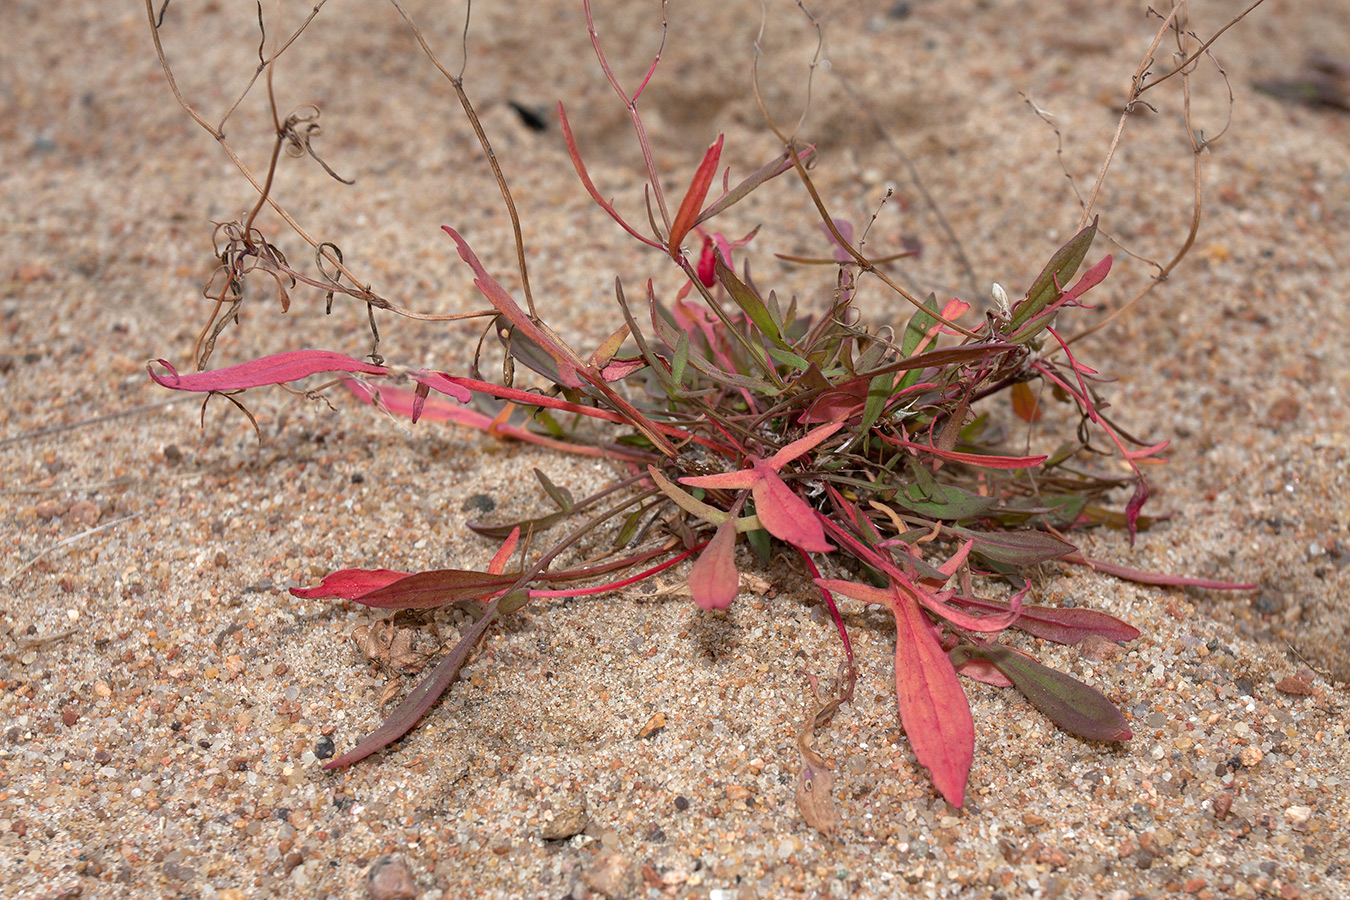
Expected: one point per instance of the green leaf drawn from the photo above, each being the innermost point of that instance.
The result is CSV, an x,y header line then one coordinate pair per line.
x,y
1055,276
787,357
1016,548
749,302
681,359
561,496
928,497
1062,699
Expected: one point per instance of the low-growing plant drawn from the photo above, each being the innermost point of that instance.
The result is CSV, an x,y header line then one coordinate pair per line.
x,y
733,416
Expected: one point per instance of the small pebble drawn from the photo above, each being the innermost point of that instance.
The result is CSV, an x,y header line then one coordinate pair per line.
x,y
390,879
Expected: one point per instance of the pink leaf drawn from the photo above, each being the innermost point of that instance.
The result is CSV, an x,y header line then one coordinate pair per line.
x,y
982,460
802,445
503,554
785,515
278,368
436,588
979,669
714,581
1141,577
348,584
933,707
722,481
568,363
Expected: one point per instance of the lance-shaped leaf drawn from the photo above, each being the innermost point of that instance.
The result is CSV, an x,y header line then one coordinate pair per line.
x,y
693,198
569,365
348,584
933,707
279,368
422,697
1016,548
421,590
692,505
1046,288
1063,626
983,460
1142,577
714,581
1091,278
785,515
770,170
1066,701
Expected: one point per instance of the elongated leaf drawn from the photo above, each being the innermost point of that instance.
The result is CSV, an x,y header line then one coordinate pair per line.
x,y
1160,578
693,198
984,461
1017,548
348,584
559,495
933,707
714,581
279,368
1046,288
422,697
569,365
1091,278
929,497
1063,626
435,588
749,303
1064,700
692,505
764,173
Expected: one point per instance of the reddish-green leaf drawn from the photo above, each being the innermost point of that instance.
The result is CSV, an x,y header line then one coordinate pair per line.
x,y
1064,700
348,584
1016,548
1063,626
1025,403
933,707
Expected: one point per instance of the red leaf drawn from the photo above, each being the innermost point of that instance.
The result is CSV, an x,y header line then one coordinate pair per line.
x,y
1141,577
933,707
693,198
278,368
348,584
714,581
388,589
785,515
802,445
972,459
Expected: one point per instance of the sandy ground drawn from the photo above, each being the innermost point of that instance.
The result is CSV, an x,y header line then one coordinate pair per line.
x,y
165,703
